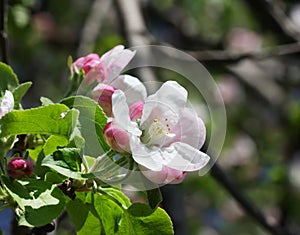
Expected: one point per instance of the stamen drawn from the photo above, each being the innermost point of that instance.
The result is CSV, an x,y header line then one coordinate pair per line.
x,y
157,130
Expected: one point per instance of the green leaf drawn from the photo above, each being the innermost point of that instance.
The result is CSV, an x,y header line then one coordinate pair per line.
x,y
154,197
54,178
156,223
78,213
5,144
102,213
118,195
109,213
89,160
140,209
39,202
68,158
92,121
96,210
69,61
83,215
9,79
92,225
54,119
53,142
34,153
67,162
141,219
46,101
19,92
76,139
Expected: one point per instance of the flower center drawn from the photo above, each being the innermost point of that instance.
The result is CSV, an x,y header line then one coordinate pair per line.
x,y
157,132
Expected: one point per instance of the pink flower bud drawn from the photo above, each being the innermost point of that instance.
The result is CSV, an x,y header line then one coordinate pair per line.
x,y
165,176
102,94
136,110
19,167
92,66
117,138
86,63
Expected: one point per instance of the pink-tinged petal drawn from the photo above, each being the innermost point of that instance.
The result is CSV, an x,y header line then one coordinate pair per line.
x,y
136,110
116,137
85,63
168,102
132,87
149,158
92,67
7,103
102,93
115,61
175,176
121,113
190,129
157,177
183,157
112,53
165,176
97,72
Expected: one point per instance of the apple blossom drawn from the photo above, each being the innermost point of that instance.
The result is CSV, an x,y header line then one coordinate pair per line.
x,y
7,103
104,68
116,137
19,167
168,136
132,87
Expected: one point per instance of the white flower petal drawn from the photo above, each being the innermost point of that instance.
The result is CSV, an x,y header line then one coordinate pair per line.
x,y
112,53
132,87
7,103
120,109
149,158
190,129
171,98
115,61
121,113
183,157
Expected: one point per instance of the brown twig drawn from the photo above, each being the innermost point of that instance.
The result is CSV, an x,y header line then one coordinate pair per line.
x,y
273,16
137,35
228,57
219,175
278,14
92,26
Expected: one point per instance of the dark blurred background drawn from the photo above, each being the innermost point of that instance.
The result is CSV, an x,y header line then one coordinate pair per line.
x,y
250,48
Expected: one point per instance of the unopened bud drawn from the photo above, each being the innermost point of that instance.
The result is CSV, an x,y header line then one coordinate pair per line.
x,y
92,67
116,137
102,94
19,167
